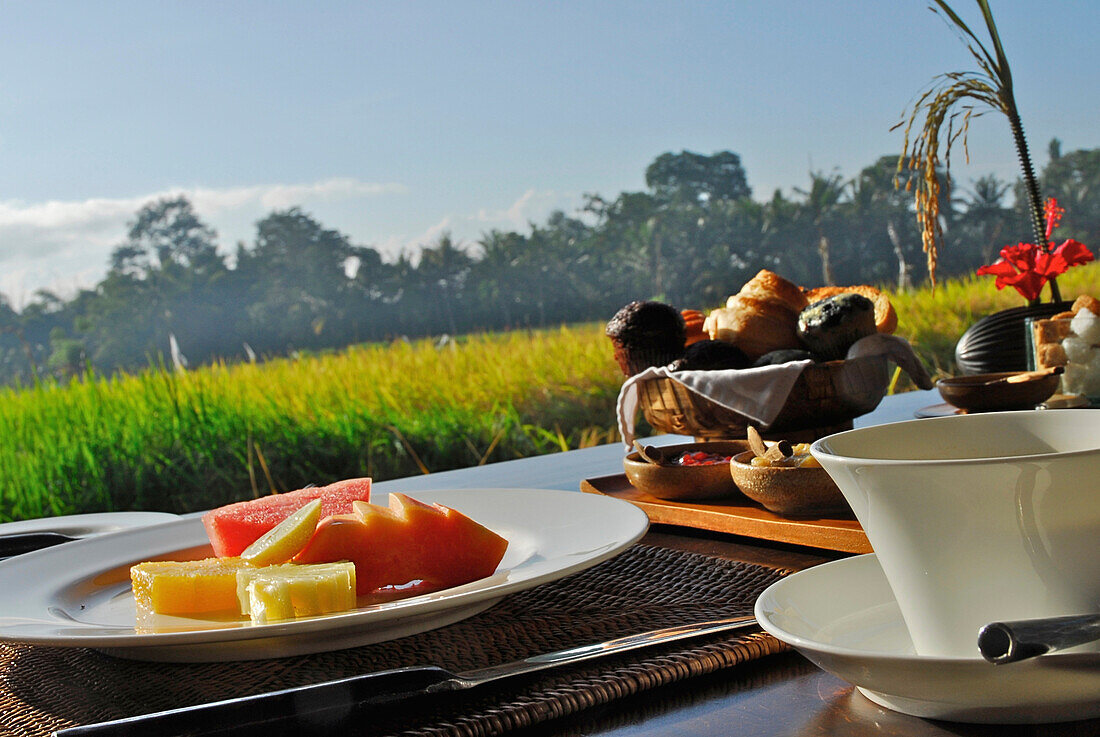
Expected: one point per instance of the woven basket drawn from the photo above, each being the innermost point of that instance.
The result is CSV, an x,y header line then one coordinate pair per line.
x,y
824,399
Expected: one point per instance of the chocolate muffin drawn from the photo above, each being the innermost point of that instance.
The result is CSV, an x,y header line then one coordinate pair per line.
x,y
830,326
646,334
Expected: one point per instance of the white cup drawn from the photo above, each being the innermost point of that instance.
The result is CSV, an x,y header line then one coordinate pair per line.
x,y
977,518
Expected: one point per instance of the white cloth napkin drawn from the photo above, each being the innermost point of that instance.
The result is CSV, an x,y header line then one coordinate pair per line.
x,y
756,393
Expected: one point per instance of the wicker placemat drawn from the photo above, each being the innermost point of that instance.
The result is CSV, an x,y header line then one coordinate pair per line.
x,y
43,689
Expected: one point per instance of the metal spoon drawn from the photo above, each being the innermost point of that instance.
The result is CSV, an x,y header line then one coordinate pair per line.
x,y
1009,642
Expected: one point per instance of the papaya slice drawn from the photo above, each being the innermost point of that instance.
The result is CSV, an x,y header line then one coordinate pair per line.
x,y
404,542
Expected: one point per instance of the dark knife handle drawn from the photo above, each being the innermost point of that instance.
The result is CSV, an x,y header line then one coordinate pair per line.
x,y
315,709
26,542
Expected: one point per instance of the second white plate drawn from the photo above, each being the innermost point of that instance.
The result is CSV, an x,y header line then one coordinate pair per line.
x,y
78,594
87,525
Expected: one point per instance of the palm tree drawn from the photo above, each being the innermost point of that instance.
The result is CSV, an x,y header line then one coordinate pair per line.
x,y
495,276
822,201
444,269
985,215
878,203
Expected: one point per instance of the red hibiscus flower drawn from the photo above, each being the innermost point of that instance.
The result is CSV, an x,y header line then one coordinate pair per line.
x,y
1027,268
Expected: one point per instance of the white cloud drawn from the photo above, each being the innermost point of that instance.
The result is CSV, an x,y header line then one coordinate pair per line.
x,y
48,227
432,234
65,245
532,205
396,245
282,196
285,196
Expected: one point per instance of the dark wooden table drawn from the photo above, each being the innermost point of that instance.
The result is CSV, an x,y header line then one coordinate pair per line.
x,y
782,695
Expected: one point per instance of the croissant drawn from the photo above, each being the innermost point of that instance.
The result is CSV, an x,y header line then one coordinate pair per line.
x,y
770,287
756,326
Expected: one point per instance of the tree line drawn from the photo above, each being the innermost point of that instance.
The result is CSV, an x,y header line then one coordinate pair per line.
x,y
692,237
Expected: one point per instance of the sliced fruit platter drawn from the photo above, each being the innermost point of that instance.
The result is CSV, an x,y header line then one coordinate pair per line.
x,y
305,571
278,559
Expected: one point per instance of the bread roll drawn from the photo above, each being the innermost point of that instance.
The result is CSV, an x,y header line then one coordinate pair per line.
x,y
886,319
755,326
770,287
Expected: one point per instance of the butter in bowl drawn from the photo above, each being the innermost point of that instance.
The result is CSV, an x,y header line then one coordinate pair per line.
x,y
687,471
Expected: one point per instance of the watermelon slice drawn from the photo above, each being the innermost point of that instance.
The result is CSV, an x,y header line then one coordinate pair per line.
x,y
404,542
234,527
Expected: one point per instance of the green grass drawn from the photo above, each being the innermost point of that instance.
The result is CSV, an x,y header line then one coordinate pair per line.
x,y
181,442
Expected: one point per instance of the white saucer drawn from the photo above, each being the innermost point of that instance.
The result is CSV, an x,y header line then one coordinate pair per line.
x,y
843,616
87,525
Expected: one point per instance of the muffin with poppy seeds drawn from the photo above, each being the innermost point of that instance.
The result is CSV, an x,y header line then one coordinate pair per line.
x,y
829,327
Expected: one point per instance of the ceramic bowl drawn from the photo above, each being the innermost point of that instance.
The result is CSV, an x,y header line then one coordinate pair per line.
x,y
977,518
793,491
976,393
674,482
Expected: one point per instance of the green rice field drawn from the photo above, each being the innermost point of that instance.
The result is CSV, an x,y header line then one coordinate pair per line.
x,y
180,442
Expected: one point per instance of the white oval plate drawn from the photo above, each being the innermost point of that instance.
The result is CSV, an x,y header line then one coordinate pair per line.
x,y
78,594
843,616
87,525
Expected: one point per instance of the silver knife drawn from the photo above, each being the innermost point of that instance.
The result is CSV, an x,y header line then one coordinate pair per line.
x,y
321,706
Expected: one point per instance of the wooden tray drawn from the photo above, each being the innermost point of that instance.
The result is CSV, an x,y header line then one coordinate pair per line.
x,y
737,516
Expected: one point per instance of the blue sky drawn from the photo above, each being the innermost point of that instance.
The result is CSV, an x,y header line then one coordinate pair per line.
x,y
394,122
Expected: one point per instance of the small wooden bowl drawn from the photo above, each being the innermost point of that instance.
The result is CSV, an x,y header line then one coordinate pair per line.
x,y
685,482
976,393
793,491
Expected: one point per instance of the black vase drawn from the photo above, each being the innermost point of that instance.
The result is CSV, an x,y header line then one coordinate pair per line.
x,y
998,342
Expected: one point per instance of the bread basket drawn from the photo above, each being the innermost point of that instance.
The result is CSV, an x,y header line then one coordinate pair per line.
x,y
824,399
